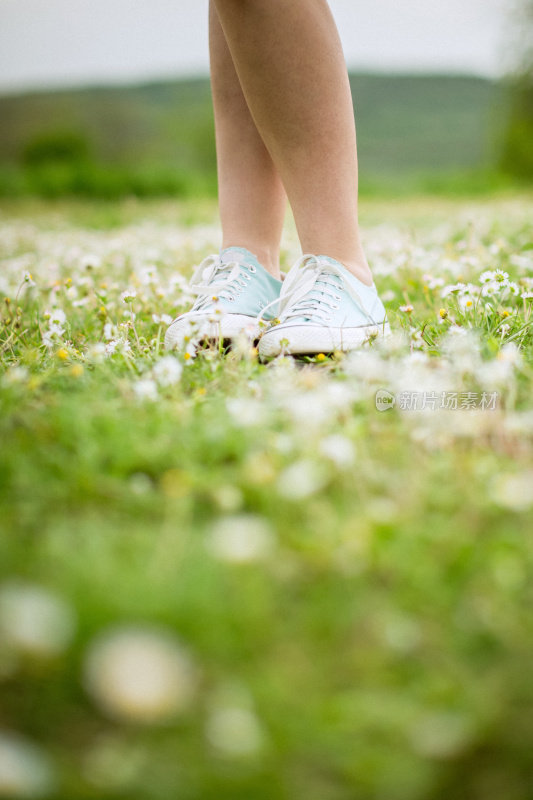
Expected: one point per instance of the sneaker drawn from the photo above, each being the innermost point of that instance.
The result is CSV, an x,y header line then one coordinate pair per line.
x,y
323,308
233,291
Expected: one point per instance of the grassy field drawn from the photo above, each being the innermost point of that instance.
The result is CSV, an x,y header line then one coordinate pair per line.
x,y
223,579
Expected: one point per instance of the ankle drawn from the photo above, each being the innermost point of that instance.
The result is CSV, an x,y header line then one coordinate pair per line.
x,y
360,270
268,258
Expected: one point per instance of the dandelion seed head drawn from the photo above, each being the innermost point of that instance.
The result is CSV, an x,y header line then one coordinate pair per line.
x,y
338,449
25,769
301,479
34,622
513,490
167,371
145,389
139,675
234,732
241,539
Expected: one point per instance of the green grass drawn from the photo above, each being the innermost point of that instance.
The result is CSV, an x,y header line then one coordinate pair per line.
x,y
257,585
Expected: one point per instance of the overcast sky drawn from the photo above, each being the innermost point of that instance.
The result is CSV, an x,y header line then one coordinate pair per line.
x,y
70,42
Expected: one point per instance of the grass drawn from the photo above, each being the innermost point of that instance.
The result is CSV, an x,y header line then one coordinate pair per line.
x,y
227,579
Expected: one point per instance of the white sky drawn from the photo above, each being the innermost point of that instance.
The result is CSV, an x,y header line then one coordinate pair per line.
x,y
70,42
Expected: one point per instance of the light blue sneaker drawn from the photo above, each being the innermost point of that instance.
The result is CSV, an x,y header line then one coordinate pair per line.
x,y
233,291
323,308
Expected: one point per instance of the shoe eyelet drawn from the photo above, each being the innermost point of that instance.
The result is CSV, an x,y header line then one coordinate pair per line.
x,y
252,268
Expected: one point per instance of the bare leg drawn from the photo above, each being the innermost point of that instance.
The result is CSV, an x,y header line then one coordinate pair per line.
x,y
290,64
251,195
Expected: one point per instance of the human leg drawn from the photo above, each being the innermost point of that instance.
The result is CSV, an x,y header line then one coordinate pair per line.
x,y
252,199
289,63
234,287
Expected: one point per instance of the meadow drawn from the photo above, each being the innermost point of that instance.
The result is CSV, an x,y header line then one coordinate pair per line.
x,y
227,579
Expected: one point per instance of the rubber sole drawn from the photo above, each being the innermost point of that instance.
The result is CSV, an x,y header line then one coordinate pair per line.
x,y
201,329
306,340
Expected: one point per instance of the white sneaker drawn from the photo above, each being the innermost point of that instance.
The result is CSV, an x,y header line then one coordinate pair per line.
x,y
323,308
233,291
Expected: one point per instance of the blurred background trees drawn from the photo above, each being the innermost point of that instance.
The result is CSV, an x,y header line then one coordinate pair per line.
x,y
437,133
517,145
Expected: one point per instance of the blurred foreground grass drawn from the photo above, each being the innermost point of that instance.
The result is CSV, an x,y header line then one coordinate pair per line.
x,y
227,579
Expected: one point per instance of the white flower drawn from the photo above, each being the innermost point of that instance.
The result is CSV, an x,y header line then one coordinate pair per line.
x,y
500,370
338,449
310,406
148,275
90,261
301,479
164,319
190,351
490,289
84,301
433,282
118,345
56,316
128,296
33,621
451,289
145,389
228,498
511,354
16,374
96,352
487,277
246,412
25,770
56,329
139,675
240,539
167,371
466,303
513,490
109,331
234,731
501,276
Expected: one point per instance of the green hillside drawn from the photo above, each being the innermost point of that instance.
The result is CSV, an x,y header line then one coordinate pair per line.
x,y
408,126
425,123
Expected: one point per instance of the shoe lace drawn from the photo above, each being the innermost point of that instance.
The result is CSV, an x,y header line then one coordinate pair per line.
x,y
215,280
311,290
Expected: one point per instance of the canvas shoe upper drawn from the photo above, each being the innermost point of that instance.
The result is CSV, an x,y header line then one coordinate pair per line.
x,y
323,308
233,291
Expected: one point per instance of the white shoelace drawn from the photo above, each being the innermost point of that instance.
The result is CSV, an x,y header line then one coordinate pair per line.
x,y
216,280
309,276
